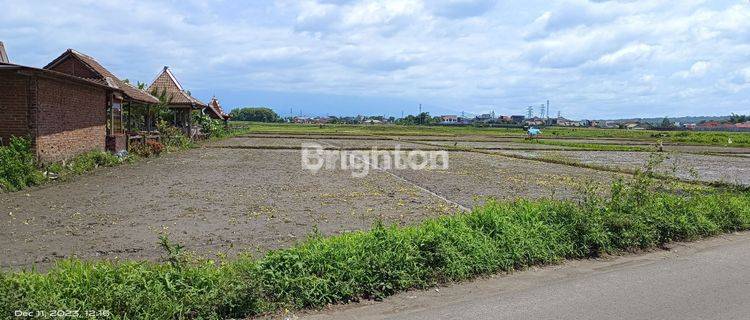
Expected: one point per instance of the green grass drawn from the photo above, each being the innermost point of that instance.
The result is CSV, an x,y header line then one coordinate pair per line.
x,y
738,139
397,130
497,237
592,146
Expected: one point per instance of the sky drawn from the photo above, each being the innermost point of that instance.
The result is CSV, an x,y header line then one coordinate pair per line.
x,y
590,59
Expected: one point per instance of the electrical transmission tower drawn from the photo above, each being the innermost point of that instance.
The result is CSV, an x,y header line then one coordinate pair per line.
x,y
530,111
541,114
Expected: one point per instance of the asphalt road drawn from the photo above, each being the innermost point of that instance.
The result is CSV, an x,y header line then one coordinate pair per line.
x,y
708,279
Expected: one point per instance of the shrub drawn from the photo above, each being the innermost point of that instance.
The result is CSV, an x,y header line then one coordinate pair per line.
x,y
156,147
18,168
83,163
140,149
213,128
172,137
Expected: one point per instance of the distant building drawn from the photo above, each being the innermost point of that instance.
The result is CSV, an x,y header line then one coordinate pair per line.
x,y
604,124
718,126
485,118
517,119
535,121
462,120
301,120
449,119
567,122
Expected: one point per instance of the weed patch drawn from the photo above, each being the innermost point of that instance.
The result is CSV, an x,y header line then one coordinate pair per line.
x,y
17,165
83,163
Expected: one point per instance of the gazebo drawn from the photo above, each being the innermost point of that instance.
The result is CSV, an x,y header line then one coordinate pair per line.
x,y
178,100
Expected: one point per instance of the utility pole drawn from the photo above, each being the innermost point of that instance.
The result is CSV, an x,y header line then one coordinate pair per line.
x,y
541,114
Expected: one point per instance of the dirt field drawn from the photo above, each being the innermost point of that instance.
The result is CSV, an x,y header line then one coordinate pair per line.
x,y
225,199
730,169
211,200
495,145
327,142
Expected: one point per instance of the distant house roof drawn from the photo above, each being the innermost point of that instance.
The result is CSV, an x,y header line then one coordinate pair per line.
x,y
166,81
215,109
100,74
3,54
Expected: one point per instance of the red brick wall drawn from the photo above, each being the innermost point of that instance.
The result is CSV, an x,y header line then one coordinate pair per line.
x,y
13,105
71,119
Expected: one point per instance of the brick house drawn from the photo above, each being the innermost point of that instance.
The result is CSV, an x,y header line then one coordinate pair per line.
x,y
179,100
63,115
124,95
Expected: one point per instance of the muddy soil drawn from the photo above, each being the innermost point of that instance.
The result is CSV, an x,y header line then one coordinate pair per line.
x,y
326,143
211,200
500,145
730,169
473,178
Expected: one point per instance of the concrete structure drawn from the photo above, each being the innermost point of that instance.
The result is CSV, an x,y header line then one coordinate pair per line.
x,y
449,119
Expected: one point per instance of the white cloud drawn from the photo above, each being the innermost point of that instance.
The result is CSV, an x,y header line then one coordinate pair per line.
x,y
697,70
605,57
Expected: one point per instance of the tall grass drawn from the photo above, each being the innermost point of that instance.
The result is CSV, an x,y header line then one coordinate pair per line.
x,y
500,236
18,165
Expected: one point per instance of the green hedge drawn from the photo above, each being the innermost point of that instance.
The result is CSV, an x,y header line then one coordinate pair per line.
x,y
500,236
